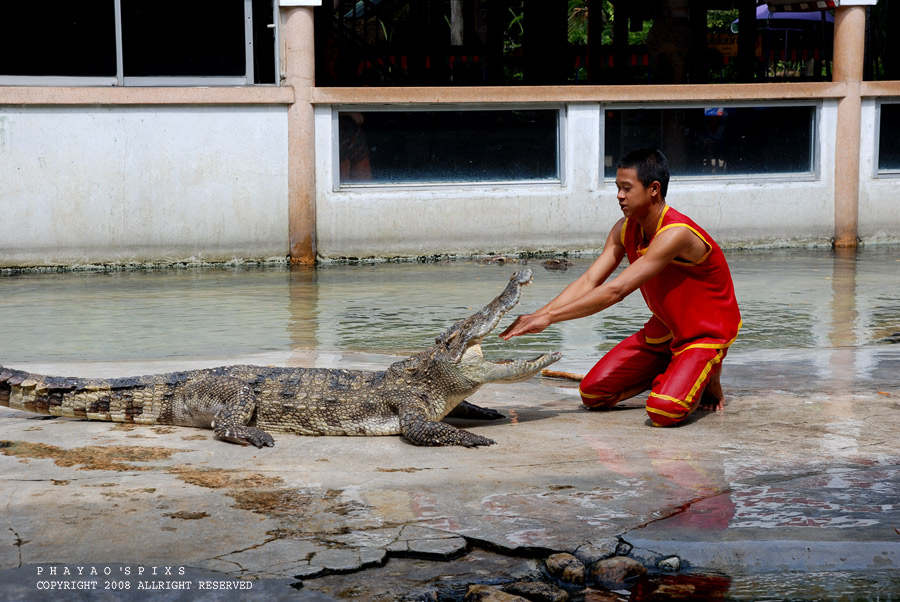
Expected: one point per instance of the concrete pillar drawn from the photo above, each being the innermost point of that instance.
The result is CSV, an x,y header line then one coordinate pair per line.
x,y
849,48
299,69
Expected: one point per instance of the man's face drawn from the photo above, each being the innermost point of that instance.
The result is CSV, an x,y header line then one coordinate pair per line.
x,y
634,199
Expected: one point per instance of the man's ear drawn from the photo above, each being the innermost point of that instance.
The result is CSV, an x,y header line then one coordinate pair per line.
x,y
655,187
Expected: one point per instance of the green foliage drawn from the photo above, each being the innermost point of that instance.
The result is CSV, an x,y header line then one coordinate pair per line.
x,y
515,29
578,22
719,21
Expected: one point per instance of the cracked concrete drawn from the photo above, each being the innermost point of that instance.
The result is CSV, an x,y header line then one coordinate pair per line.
x,y
798,478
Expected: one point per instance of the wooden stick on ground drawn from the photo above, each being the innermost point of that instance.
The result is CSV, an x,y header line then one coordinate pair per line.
x,y
559,374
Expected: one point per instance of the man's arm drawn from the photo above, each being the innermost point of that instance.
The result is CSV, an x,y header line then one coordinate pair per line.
x,y
609,259
583,298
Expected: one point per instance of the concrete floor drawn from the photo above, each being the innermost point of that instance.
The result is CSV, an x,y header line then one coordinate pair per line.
x,y
798,473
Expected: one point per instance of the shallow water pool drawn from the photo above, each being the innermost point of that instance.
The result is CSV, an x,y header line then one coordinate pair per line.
x,y
790,299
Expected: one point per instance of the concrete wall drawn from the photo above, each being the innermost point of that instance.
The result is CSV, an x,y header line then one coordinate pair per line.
x,y
134,182
572,215
84,185
879,201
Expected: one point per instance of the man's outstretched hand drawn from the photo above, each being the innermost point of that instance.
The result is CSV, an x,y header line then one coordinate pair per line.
x,y
525,324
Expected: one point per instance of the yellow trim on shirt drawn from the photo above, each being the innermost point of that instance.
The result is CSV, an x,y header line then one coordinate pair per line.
x,y
710,345
700,236
661,216
650,341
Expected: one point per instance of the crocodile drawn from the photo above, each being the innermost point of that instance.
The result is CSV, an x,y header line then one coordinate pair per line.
x,y
243,404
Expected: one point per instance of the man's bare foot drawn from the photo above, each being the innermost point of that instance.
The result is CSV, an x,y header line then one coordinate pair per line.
x,y
710,404
712,399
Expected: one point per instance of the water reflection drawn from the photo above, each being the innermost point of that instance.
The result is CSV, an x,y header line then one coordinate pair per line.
x,y
871,586
790,299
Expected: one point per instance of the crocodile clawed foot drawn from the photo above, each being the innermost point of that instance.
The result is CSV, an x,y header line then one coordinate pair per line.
x,y
472,440
424,432
246,435
261,440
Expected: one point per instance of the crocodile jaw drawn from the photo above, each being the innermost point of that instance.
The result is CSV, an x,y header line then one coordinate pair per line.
x,y
479,370
460,345
452,344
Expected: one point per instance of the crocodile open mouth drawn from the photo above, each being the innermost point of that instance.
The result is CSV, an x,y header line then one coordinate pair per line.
x,y
473,355
466,336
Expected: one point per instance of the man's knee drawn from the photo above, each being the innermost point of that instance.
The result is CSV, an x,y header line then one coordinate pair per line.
x,y
667,411
599,400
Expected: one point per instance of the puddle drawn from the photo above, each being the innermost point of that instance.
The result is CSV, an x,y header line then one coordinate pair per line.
x,y
793,587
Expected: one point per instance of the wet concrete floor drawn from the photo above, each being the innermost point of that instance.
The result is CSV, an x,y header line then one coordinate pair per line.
x,y
793,484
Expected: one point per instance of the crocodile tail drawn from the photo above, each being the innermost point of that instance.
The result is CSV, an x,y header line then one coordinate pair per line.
x,y
118,400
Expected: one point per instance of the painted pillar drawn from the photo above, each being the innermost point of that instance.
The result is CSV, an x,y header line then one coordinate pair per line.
x,y
299,69
849,48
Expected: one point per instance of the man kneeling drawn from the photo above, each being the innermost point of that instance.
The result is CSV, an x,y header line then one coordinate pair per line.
x,y
686,283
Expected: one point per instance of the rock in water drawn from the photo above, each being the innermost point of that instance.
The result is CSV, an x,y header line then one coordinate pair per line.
x,y
486,593
591,552
537,591
566,568
613,573
671,564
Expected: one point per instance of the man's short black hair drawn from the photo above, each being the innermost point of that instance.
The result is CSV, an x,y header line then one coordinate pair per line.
x,y
651,166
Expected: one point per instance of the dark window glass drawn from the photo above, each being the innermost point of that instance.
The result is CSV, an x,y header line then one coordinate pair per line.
x,y
183,38
57,37
717,140
448,146
889,138
544,42
263,42
882,42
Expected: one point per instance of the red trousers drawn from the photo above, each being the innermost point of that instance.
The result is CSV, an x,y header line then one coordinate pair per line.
x,y
676,380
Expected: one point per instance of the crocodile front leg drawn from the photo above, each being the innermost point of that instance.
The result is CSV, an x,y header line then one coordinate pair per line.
x,y
415,426
226,405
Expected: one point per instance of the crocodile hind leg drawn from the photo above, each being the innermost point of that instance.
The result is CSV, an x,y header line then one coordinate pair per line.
x,y
226,405
470,411
415,426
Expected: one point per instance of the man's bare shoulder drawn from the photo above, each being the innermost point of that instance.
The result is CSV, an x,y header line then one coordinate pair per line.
x,y
615,233
680,241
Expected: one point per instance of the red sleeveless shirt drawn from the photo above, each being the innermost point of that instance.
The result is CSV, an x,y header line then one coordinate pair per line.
x,y
693,303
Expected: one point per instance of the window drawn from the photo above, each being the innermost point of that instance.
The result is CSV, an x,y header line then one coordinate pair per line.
x,y
705,141
125,42
58,38
543,42
888,141
448,146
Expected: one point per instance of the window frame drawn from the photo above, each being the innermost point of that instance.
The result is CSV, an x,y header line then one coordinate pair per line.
x,y
813,175
891,173
160,81
557,182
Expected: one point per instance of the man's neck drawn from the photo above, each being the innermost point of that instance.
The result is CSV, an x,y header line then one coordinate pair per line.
x,y
650,221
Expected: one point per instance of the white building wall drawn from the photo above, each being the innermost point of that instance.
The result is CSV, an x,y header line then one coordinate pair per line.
x,y
879,200
148,184
84,185
572,215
